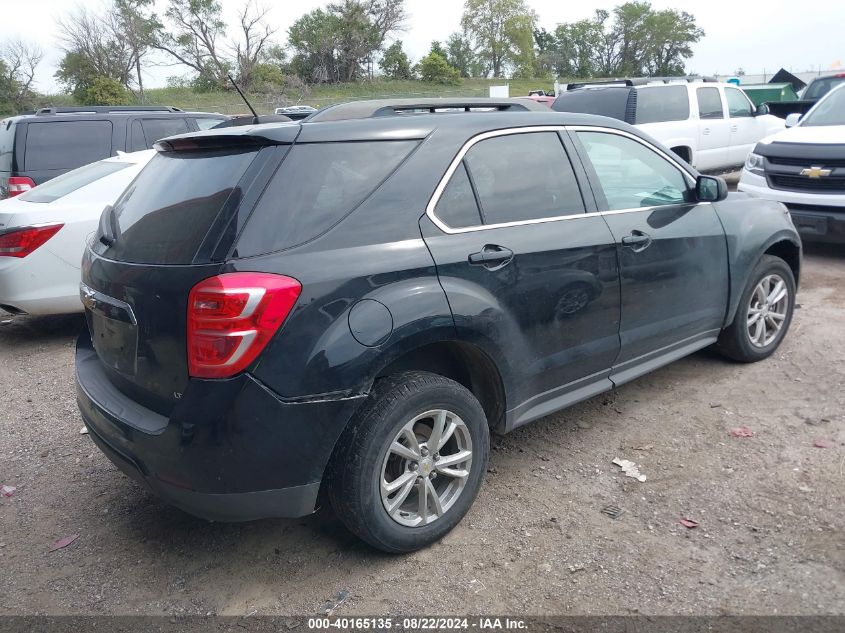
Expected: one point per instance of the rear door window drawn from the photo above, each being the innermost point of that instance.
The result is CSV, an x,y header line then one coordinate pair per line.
x,y
66,144
520,177
662,103
316,186
710,103
164,215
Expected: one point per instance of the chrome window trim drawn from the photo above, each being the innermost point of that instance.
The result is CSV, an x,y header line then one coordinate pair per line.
x,y
441,186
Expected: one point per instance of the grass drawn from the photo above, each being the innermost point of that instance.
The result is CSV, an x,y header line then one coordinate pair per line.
x,y
231,103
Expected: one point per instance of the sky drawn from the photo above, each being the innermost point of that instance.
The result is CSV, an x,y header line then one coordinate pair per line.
x,y
750,34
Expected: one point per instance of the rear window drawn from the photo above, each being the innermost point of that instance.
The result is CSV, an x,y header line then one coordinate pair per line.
x,y
66,144
7,144
662,103
820,87
164,215
316,186
71,181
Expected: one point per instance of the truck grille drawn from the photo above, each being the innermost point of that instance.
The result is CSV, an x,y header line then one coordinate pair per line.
x,y
828,163
802,183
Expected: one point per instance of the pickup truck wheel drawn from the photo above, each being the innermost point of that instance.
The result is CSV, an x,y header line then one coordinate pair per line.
x,y
411,462
764,313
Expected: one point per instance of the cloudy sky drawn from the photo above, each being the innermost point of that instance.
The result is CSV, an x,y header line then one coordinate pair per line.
x,y
753,34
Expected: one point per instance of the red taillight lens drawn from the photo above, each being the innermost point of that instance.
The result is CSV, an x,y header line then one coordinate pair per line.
x,y
19,185
21,242
232,317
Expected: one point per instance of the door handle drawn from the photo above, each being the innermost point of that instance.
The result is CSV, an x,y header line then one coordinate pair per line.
x,y
706,131
492,256
734,128
637,241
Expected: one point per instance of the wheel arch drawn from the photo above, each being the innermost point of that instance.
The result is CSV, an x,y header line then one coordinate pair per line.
x,y
463,362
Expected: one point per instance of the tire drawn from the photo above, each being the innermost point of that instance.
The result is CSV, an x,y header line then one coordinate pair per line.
x,y
735,341
365,460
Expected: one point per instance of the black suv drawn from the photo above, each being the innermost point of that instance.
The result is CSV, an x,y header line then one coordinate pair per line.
x,y
37,147
352,303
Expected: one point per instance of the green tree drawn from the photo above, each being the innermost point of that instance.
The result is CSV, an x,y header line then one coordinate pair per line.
x,y
501,31
579,45
460,55
106,91
341,42
632,40
437,47
671,36
394,63
76,73
435,69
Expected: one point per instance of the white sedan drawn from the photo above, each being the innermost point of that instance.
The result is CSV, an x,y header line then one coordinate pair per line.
x,y
43,234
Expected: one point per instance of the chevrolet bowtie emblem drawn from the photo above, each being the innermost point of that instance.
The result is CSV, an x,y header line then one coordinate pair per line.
x,y
816,172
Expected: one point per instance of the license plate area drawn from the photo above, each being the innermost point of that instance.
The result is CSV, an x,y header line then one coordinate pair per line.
x,y
113,329
811,224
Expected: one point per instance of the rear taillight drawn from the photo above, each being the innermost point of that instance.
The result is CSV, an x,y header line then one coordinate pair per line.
x,y
232,317
21,242
19,185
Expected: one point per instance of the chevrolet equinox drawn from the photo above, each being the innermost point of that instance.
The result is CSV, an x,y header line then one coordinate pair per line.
x,y
344,308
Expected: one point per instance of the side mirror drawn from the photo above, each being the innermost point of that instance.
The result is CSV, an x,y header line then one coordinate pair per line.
x,y
793,119
762,109
710,189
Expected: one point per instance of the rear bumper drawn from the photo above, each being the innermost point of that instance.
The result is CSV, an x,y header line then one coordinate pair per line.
x,y
229,451
40,283
817,217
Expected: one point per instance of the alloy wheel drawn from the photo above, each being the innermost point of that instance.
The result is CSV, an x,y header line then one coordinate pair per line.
x,y
426,468
767,310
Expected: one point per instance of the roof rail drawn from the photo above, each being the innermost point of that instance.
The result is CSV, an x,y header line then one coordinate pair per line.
x,y
104,109
638,81
393,107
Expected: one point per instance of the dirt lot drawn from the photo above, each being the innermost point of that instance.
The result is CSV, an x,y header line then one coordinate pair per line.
x,y
771,507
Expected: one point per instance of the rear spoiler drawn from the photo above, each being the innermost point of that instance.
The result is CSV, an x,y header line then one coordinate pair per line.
x,y
231,137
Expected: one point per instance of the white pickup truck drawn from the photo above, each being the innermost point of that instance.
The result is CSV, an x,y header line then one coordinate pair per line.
x,y
713,126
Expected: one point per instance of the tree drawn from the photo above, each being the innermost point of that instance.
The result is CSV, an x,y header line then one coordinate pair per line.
x,y
579,47
437,47
95,46
671,36
460,55
106,91
435,69
193,37
341,42
18,61
395,64
251,50
632,40
501,31
136,25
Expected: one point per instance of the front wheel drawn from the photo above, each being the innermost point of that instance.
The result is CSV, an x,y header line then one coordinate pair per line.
x,y
764,313
411,464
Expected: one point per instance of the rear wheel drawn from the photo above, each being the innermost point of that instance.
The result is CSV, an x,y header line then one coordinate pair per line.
x,y
764,313
411,463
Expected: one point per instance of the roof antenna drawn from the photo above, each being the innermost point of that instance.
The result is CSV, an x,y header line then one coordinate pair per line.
x,y
248,104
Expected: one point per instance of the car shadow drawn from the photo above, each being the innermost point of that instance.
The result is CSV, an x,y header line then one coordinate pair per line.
x,y
39,328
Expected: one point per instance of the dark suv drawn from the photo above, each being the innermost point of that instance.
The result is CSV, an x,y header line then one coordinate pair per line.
x,y
37,147
351,304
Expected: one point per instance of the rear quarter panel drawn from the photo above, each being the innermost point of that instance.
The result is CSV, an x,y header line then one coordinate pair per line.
x,y
752,225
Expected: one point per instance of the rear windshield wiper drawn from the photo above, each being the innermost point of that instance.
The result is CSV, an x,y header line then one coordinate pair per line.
x,y
108,226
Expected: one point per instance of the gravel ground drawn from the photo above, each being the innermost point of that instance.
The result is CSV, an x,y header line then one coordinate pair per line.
x,y
770,507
